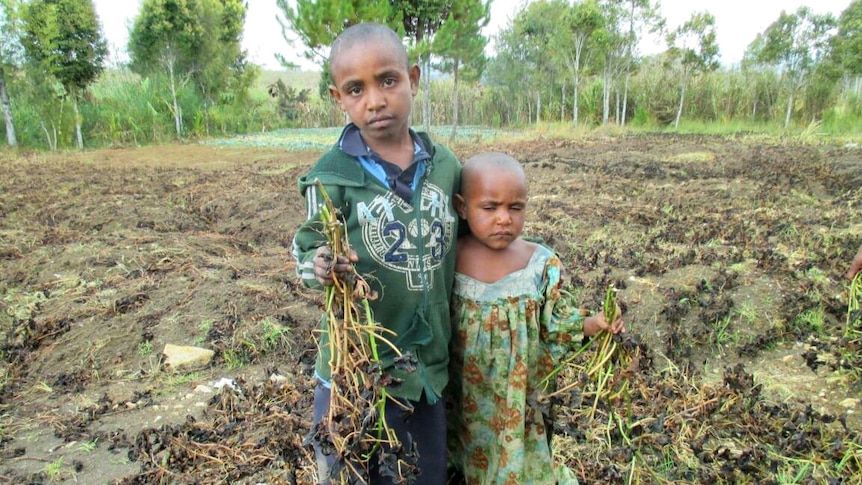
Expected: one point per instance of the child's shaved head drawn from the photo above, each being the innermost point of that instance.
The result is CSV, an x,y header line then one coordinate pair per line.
x,y
365,33
488,162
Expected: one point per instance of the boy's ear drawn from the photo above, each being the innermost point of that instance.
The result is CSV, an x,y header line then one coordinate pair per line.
x,y
335,93
414,74
460,206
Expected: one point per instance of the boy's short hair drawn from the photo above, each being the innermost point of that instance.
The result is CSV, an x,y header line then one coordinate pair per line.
x,y
366,32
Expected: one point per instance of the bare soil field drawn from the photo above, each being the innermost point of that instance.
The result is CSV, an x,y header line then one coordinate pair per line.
x,y
729,256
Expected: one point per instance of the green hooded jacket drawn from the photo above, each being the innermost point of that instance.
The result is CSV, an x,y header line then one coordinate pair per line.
x,y
406,253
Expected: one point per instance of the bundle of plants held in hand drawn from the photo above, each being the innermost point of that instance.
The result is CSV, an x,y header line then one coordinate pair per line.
x,y
601,377
354,431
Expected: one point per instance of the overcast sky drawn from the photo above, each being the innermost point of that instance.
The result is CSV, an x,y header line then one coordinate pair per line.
x,y
737,23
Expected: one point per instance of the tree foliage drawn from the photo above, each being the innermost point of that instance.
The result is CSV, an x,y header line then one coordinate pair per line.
x,y
794,44
461,45
65,39
847,43
585,20
693,48
200,39
11,55
531,53
192,40
318,22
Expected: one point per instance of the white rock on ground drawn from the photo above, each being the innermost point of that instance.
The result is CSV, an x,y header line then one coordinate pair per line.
x,y
185,358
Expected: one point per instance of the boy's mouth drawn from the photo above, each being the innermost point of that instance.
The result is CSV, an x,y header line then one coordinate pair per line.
x,y
380,120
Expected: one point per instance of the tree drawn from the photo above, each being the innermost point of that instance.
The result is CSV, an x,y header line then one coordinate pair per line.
x,y
318,22
846,44
612,47
460,44
421,20
191,40
794,44
642,17
64,37
539,42
692,47
584,19
10,56
220,67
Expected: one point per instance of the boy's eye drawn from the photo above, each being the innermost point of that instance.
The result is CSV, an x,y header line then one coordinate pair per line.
x,y
354,90
389,82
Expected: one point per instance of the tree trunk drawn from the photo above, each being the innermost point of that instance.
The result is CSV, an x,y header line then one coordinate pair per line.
x,y
52,142
575,95
679,110
426,93
625,101
789,110
538,107
563,103
606,97
79,137
11,140
178,117
455,104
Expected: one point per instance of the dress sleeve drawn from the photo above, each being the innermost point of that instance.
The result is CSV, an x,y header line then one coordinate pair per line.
x,y
562,320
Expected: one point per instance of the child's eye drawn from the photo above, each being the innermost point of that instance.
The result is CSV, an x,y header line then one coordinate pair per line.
x,y
354,91
389,82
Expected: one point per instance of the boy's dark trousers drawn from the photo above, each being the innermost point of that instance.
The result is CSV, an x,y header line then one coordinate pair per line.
x,y
426,425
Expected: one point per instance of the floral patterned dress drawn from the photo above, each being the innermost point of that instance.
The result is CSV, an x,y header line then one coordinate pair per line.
x,y
509,334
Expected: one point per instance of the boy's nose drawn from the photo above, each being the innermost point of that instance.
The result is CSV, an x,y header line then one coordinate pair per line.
x,y
376,99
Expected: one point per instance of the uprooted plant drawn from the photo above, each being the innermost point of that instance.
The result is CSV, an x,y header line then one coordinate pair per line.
x,y
602,378
355,428
853,329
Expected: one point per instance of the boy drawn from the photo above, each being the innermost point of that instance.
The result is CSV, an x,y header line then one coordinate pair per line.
x,y
393,187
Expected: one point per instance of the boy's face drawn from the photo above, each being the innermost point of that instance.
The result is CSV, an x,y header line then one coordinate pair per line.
x,y
494,205
374,85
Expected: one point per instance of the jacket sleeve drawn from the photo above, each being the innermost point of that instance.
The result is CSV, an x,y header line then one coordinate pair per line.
x,y
309,236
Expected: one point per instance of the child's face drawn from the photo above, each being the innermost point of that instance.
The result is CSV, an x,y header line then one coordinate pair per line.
x,y
374,85
494,206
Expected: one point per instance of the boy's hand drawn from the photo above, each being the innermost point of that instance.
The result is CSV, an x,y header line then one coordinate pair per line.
x,y
596,323
324,265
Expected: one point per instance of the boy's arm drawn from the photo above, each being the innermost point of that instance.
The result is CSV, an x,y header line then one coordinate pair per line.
x,y
314,263
306,243
310,248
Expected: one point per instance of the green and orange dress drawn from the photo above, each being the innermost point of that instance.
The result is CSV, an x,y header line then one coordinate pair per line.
x,y
508,337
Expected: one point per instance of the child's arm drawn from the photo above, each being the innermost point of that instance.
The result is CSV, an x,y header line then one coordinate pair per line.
x,y
314,263
855,265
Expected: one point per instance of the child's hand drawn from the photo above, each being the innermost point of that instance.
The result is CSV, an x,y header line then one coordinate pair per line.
x,y
855,265
596,323
324,265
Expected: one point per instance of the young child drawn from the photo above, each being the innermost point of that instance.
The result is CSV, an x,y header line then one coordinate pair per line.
x,y
511,327
393,187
